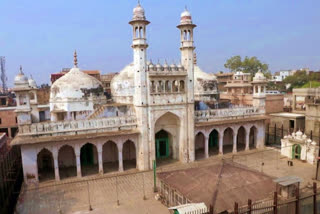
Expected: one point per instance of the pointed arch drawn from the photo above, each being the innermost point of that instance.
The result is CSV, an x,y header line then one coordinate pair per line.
x,y
129,155
67,162
45,165
200,146
89,159
110,158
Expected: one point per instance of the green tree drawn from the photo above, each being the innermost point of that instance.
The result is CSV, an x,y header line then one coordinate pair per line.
x,y
249,65
297,80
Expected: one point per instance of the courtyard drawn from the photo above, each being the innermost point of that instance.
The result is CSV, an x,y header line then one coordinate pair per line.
x,y
132,191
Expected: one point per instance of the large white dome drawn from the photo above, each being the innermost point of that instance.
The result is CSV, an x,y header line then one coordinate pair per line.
x,y
204,82
75,85
122,85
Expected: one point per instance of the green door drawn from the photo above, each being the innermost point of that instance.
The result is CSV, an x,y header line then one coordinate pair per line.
x,y
162,147
296,151
86,155
213,139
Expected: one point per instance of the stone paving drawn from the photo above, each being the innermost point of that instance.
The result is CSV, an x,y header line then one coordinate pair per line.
x,y
72,195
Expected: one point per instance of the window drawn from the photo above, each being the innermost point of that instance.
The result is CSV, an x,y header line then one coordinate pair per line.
x,y
0,121
291,124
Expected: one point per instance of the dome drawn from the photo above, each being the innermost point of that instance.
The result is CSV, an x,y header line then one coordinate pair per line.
x,y
204,83
185,17
74,85
21,80
259,76
32,83
122,85
138,13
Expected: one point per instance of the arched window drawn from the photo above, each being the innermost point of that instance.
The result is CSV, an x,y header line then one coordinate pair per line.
x,y
181,86
185,36
136,32
168,86
160,86
140,32
175,86
153,87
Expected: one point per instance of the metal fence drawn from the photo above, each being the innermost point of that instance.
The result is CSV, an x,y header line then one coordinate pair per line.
x,y
10,179
274,135
303,203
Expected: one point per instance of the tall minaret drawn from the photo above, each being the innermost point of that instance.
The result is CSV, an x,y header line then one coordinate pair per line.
x,y
140,97
139,46
187,60
186,47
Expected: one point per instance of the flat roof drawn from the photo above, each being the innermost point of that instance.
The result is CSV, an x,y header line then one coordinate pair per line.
x,y
288,180
288,114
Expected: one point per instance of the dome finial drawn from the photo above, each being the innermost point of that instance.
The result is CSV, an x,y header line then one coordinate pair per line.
x,y
185,8
75,59
21,72
138,2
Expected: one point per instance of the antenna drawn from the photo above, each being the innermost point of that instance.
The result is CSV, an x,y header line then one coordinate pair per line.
x,y
3,75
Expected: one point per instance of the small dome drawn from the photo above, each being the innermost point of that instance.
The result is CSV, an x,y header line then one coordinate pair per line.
x,y
165,65
304,136
32,83
158,65
185,17
138,13
299,133
21,80
259,76
173,66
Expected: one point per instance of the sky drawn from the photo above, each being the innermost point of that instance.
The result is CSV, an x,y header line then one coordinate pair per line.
x,y
42,35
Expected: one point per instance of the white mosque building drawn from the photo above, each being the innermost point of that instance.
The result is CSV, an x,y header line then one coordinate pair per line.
x,y
154,115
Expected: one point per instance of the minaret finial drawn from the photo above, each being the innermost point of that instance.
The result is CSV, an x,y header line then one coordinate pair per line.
x,y
75,59
185,7
138,2
21,72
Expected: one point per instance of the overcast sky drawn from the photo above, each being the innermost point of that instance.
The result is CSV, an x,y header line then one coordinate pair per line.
x,y
41,35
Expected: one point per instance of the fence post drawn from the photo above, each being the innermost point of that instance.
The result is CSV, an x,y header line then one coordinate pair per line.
x,y
297,201
211,209
249,206
236,208
275,134
315,198
275,203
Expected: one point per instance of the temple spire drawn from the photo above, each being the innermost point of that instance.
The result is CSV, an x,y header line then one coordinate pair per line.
x,y
75,59
21,72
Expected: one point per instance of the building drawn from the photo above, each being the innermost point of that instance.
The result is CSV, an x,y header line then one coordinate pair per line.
x,y
106,82
152,116
240,91
223,79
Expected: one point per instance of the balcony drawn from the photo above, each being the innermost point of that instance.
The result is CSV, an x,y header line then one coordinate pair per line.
x,y
228,113
79,126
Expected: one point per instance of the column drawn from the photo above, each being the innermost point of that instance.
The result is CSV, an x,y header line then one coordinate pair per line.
x,y
235,134
120,157
56,164
77,151
100,162
206,146
247,139
9,133
221,143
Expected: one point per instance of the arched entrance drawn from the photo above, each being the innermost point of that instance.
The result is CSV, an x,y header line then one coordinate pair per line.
x,y
214,142
67,162
89,159
45,165
167,132
199,146
110,157
241,139
129,155
296,151
227,140
253,137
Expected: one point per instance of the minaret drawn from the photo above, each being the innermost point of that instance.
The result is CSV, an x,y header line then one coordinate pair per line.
x,y
140,97
186,47
22,89
187,60
259,84
139,46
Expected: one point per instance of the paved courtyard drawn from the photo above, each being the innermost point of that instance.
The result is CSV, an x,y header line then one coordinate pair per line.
x,y
104,192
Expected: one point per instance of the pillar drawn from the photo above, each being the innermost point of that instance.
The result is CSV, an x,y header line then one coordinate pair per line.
x,y
9,133
120,157
247,139
56,164
221,143
206,146
100,162
235,134
77,151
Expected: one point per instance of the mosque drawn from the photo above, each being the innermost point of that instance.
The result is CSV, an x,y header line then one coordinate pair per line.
x,y
158,112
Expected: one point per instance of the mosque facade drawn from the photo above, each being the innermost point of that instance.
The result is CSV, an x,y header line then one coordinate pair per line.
x,y
158,112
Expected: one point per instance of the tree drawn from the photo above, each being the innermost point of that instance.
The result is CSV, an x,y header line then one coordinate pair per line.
x,y
297,80
249,65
